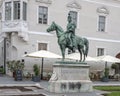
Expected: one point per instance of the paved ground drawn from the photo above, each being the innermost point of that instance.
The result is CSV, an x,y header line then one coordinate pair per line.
x,y
9,81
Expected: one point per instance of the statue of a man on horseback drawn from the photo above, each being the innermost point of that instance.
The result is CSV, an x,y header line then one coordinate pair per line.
x,y
70,33
69,40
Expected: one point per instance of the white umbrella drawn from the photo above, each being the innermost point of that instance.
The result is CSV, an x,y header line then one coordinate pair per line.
x,y
108,58
42,54
76,56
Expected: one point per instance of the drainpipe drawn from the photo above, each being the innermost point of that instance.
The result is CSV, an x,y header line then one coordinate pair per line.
x,y
4,55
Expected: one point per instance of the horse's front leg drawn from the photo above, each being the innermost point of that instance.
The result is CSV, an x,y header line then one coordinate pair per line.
x,y
62,47
80,55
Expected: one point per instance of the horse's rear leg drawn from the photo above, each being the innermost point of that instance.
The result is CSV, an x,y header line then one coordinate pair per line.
x,y
83,55
63,56
80,54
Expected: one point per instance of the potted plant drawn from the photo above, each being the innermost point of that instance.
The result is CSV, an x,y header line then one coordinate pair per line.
x,y
115,66
1,70
105,78
14,66
11,66
36,76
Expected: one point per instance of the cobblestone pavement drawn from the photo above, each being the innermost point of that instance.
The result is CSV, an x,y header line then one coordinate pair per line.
x,y
9,81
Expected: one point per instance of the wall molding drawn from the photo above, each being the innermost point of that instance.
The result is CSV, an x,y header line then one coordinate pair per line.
x,y
103,10
113,3
74,4
40,33
44,1
103,40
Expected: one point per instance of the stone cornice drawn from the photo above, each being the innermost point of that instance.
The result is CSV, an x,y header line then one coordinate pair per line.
x,y
44,1
104,1
117,1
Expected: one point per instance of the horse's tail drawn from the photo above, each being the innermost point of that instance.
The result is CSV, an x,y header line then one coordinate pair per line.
x,y
86,43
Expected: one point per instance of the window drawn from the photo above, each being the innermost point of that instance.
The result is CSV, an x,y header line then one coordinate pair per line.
x,y
100,51
73,14
24,10
13,10
42,46
101,24
8,11
42,15
16,10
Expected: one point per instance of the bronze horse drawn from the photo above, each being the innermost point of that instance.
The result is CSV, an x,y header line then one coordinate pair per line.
x,y
81,43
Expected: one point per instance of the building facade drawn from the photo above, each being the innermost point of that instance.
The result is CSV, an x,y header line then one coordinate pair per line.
x,y
24,23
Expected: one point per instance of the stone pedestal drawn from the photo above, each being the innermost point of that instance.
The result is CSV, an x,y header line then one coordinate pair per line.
x,y
70,78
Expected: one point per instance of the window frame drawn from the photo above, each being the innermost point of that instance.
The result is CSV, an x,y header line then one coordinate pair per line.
x,y
24,14
6,14
75,18
42,22
17,10
19,15
46,46
99,29
101,53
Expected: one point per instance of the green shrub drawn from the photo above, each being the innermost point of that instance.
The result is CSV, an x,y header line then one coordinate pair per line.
x,y
106,73
1,70
116,67
36,70
15,65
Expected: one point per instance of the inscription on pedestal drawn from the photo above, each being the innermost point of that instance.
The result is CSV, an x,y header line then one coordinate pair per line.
x,y
71,86
73,71
63,86
78,85
74,74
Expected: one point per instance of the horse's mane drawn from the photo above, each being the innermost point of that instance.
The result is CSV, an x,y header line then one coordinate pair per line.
x,y
60,28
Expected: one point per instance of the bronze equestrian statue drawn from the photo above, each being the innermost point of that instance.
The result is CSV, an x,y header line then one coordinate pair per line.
x,y
69,40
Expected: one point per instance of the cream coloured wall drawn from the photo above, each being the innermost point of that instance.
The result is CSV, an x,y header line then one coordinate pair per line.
x,y
86,27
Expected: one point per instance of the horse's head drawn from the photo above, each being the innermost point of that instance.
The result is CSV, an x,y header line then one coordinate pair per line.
x,y
52,27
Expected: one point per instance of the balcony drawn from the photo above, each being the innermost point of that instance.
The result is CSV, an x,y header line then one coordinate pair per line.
x,y
19,26
14,26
